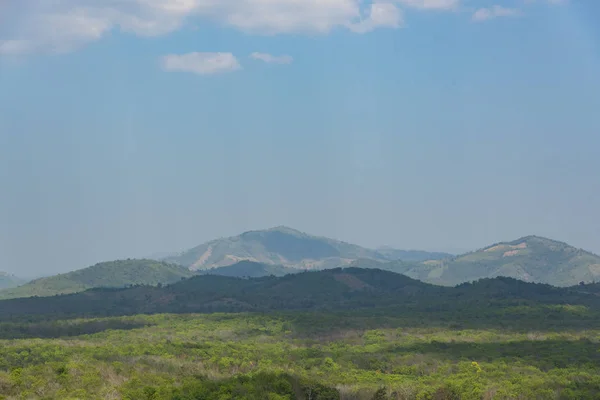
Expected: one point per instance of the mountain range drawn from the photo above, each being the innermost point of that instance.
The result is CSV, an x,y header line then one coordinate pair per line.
x,y
281,251
289,248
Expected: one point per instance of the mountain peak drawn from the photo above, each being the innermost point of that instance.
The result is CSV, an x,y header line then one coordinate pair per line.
x,y
536,238
280,245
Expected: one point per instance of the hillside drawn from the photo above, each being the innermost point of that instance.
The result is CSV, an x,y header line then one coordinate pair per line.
x,y
334,289
108,274
249,269
9,281
277,246
531,259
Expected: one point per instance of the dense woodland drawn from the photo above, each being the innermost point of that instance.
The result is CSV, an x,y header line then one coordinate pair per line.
x,y
340,334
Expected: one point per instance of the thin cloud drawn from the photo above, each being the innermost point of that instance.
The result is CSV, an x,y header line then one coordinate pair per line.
x,y
484,14
201,63
431,4
380,15
271,59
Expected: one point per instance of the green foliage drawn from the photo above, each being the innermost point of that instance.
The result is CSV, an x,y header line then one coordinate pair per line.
x,y
341,356
108,275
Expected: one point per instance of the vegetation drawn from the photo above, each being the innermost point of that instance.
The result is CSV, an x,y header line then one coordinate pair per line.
x,y
349,355
110,274
342,334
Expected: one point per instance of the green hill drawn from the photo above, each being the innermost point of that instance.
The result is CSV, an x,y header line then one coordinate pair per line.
x,y
531,259
9,281
108,274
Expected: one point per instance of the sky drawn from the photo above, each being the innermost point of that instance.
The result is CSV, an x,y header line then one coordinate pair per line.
x,y
135,127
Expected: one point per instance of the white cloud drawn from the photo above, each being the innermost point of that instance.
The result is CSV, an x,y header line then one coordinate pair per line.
x,y
64,25
271,59
381,15
201,63
58,26
431,4
57,32
495,11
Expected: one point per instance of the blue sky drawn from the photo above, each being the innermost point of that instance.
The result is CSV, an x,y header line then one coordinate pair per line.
x,y
131,127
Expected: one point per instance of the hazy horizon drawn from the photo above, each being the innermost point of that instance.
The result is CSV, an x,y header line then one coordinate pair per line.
x,y
162,254
134,129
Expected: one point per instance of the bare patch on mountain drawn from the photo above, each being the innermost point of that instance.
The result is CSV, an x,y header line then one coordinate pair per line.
x,y
506,247
203,259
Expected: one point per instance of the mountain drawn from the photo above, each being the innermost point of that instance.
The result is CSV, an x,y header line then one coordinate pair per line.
x,y
334,289
108,274
531,259
411,255
9,281
277,246
249,269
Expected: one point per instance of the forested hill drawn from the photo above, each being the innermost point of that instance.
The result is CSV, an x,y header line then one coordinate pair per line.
x,y
109,274
335,289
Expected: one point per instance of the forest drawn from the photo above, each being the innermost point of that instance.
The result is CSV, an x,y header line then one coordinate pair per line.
x,y
373,335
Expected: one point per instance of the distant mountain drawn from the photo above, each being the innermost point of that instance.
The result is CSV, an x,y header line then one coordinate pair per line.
x,y
109,274
277,246
334,289
411,255
9,281
530,259
249,269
